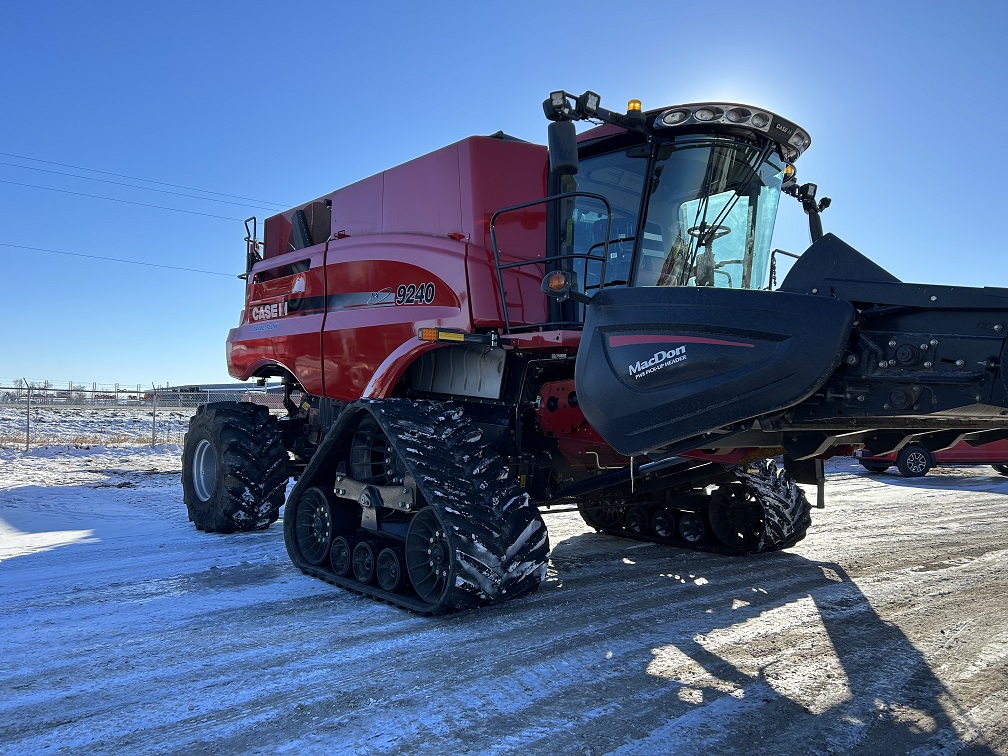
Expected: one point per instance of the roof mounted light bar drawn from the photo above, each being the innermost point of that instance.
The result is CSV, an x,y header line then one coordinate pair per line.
x,y
792,139
562,106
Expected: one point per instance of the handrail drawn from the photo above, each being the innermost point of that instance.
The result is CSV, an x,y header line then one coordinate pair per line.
x,y
551,258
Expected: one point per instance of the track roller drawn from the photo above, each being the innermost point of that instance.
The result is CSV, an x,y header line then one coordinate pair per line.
x,y
638,521
364,559
663,522
691,527
340,556
389,569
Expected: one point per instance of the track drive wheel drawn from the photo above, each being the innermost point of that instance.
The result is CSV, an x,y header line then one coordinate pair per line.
x,y
1000,468
234,467
736,518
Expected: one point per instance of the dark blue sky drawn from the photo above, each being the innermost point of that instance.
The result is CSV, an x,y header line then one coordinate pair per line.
x,y
284,102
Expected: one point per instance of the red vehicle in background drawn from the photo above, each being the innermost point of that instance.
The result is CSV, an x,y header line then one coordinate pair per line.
x,y
914,460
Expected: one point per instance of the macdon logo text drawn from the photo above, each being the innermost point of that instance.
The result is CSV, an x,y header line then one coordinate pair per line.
x,y
660,360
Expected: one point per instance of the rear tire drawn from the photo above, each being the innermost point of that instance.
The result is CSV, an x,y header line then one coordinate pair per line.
x,y
914,461
234,468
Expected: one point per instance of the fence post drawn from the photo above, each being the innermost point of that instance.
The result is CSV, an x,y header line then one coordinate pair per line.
x,y
27,442
154,417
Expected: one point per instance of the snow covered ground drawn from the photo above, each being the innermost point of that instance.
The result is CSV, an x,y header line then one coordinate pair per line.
x,y
98,424
126,631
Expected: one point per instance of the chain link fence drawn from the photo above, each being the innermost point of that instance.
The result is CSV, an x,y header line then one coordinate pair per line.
x,y
42,413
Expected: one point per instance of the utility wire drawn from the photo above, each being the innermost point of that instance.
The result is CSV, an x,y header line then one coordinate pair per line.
x,y
116,259
132,186
135,178
115,199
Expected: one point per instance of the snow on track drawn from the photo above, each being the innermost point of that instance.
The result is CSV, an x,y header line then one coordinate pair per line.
x,y
125,630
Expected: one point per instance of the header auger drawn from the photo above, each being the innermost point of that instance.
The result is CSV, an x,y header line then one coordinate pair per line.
x,y
496,328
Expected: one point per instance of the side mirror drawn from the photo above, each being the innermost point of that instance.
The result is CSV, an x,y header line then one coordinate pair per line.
x,y
563,156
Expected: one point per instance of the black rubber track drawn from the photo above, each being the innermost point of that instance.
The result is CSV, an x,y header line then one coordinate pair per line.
x,y
499,541
786,510
786,514
251,467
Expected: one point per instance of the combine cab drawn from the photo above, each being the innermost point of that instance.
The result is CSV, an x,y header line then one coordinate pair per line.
x,y
498,328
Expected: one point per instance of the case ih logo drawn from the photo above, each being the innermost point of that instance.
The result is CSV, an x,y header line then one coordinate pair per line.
x,y
269,311
660,360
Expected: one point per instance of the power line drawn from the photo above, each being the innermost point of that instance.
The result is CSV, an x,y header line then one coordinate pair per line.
x,y
136,178
132,186
117,259
116,199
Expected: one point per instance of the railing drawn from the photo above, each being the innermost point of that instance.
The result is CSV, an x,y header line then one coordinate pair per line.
x,y
556,260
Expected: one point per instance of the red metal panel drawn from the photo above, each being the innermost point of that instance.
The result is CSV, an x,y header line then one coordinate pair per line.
x,y
281,324
375,307
357,209
499,173
423,196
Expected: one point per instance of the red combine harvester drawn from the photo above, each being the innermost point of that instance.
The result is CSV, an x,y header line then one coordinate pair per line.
x,y
496,328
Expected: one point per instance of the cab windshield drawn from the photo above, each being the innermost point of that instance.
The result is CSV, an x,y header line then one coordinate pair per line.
x,y
710,214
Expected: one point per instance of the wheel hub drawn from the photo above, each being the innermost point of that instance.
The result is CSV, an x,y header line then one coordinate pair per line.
x,y
204,470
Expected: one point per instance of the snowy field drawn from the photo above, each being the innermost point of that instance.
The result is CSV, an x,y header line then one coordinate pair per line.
x,y
100,424
126,631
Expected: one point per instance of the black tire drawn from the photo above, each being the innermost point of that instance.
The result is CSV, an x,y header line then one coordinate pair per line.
x,y
914,461
1000,468
875,467
234,468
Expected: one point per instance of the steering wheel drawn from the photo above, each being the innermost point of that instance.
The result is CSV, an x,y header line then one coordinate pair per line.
x,y
705,267
710,233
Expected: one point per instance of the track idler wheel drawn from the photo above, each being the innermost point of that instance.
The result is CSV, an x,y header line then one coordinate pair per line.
x,y
736,517
389,570
313,525
602,515
429,560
